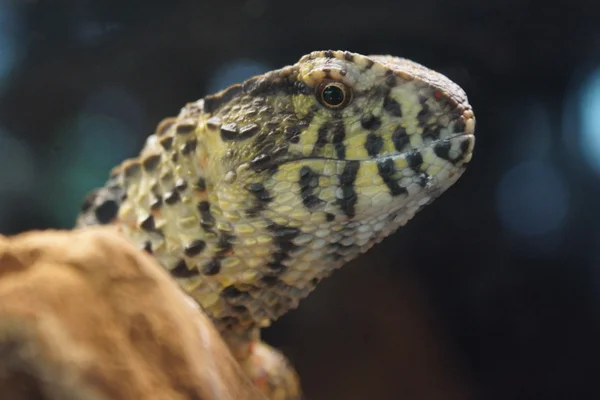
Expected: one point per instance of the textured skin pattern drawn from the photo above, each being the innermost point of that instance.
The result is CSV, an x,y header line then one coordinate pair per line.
x,y
251,196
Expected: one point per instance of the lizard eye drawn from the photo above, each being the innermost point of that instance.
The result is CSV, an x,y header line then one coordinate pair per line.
x,y
334,95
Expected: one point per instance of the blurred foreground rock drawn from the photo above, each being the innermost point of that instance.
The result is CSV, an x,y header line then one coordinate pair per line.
x,y
84,315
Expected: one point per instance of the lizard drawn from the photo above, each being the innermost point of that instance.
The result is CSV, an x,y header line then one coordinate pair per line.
x,y
251,196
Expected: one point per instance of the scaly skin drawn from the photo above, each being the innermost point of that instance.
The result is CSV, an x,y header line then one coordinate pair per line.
x,y
251,196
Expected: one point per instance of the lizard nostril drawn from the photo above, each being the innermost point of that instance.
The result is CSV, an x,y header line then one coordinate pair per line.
x,y
469,122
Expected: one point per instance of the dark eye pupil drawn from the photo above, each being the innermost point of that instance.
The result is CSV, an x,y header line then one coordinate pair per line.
x,y
333,95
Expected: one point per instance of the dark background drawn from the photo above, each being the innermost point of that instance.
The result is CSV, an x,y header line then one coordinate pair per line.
x,y
492,292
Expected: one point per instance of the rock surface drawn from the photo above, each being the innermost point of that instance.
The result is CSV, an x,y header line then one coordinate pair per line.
x,y
85,315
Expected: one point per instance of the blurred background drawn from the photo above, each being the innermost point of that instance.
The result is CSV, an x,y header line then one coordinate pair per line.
x,y
492,292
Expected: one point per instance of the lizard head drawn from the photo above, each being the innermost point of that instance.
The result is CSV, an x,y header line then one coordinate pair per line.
x,y
340,136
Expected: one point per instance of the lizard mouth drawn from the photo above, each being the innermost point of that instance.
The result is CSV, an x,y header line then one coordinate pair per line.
x,y
456,149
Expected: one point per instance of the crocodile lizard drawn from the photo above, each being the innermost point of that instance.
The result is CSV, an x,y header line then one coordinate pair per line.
x,y
251,196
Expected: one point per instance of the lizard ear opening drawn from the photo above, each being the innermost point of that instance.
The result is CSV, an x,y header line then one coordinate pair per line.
x,y
334,95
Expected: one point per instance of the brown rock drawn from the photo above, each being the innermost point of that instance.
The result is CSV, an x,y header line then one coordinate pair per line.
x,y
85,315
